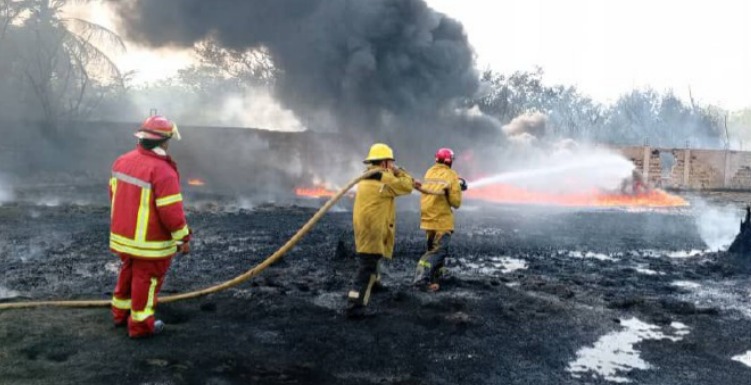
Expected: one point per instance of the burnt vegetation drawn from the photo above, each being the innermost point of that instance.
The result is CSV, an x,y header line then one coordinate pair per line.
x,y
288,325
347,73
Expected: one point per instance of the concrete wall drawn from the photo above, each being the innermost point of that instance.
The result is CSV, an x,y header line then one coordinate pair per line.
x,y
692,169
230,160
234,159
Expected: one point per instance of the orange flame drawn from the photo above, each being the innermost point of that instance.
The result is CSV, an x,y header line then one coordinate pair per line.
x,y
314,192
196,182
514,195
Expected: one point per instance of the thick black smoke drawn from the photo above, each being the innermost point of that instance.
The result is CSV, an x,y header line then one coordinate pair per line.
x,y
392,70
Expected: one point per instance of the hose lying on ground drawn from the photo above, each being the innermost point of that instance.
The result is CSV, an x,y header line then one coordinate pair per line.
x,y
219,287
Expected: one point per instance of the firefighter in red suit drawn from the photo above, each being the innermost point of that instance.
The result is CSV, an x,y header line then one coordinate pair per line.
x,y
148,225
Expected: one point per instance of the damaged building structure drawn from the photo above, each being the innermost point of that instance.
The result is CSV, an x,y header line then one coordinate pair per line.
x,y
299,153
692,169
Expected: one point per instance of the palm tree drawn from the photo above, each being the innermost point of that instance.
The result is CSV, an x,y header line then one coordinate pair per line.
x,y
9,12
64,60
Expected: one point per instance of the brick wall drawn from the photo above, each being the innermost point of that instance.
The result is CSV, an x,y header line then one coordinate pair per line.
x,y
693,169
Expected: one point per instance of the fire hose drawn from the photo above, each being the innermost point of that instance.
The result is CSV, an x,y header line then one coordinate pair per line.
x,y
254,271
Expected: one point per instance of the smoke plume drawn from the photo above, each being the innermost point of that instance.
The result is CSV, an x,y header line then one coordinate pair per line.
x,y
392,70
717,225
252,107
532,123
6,189
534,160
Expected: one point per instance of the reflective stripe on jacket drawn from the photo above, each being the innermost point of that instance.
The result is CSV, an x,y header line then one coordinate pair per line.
x,y
374,213
435,210
147,217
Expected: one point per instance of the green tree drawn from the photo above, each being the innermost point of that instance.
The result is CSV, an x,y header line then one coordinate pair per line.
x,y
570,114
648,117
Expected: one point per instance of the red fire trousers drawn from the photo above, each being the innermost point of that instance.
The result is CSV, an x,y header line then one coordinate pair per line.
x,y
135,297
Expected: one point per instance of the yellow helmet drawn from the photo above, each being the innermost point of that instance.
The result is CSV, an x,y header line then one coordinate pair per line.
x,y
379,151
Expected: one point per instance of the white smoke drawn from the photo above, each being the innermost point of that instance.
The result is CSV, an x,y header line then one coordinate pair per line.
x,y
257,108
717,225
6,190
535,161
530,123
253,107
523,139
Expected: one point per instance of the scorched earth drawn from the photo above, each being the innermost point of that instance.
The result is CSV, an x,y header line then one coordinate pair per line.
x,y
537,296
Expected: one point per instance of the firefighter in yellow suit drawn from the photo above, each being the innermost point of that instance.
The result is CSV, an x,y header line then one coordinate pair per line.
x,y
442,192
374,219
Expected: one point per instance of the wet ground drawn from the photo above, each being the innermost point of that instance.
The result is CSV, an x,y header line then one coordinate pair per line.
x,y
537,296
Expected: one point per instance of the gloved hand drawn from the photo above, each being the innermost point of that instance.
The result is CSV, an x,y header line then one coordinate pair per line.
x,y
184,248
463,184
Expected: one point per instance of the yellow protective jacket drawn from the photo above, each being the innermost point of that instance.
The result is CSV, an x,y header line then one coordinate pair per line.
x,y
374,214
435,210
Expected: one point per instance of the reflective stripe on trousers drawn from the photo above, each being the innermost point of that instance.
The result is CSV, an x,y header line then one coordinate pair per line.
x,y
365,278
119,303
148,311
434,258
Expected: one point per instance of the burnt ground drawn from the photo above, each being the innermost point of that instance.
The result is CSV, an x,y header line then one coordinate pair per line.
x,y
587,273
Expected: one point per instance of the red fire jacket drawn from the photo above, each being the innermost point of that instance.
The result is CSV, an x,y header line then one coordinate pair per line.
x,y
147,210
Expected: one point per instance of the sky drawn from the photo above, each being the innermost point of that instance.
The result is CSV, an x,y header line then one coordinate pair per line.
x,y
147,64
607,47
604,47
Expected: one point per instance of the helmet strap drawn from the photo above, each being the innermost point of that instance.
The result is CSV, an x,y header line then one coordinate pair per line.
x,y
150,144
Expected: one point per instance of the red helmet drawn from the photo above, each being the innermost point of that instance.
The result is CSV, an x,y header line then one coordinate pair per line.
x,y
445,156
158,127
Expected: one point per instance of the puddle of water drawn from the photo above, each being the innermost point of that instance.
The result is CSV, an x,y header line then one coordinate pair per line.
x,y
589,254
493,265
643,269
681,329
680,254
486,232
508,265
684,253
745,359
614,355
686,284
732,294
486,270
